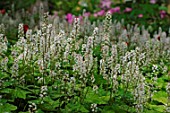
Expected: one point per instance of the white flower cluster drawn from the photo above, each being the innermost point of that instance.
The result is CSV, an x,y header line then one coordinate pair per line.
x,y
94,108
109,52
3,43
32,108
43,91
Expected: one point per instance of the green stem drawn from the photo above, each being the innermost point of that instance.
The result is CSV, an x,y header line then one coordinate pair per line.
x,y
85,94
111,92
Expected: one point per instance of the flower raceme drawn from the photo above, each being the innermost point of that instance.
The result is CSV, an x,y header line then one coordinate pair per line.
x,y
127,9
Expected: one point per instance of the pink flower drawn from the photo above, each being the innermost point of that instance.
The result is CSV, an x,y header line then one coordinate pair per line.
x,y
162,13
69,18
127,10
106,4
86,14
101,13
140,15
95,14
114,10
152,1
80,17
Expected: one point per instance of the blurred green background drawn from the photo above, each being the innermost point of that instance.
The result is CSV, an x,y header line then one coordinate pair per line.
x,y
149,13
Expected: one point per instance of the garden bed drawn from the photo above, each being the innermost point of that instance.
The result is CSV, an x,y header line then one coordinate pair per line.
x,y
101,66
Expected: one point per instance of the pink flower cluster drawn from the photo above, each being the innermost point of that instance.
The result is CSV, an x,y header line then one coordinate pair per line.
x,y
162,13
152,1
114,10
70,18
140,15
100,13
103,12
127,10
105,4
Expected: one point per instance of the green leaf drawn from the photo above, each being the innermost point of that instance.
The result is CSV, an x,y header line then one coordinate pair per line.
x,y
7,83
151,111
7,108
19,93
76,108
83,109
50,104
163,8
91,97
161,83
160,96
6,90
39,111
25,112
157,108
113,109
